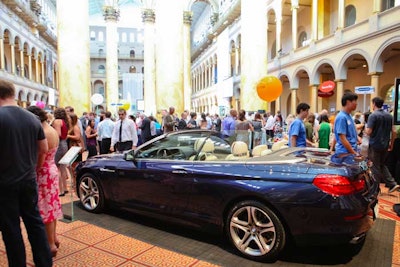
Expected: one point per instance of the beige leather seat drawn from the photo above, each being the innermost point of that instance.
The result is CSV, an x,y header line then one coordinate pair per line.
x,y
279,145
205,151
257,150
239,151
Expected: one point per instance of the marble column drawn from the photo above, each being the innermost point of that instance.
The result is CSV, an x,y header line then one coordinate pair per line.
x,y
169,63
295,7
254,54
148,16
314,98
73,54
12,46
111,16
278,35
341,7
2,62
43,72
377,6
314,20
375,83
187,22
293,100
21,58
339,94
37,79
30,66
278,104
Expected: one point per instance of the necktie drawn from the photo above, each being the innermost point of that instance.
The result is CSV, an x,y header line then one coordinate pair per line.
x,y
120,132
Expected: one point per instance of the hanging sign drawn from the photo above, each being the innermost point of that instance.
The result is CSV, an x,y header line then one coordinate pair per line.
x,y
327,86
325,94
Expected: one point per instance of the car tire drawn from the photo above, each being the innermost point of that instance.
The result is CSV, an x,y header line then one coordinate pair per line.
x,y
91,194
255,231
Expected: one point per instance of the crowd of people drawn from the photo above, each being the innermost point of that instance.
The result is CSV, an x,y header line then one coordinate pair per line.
x,y
33,141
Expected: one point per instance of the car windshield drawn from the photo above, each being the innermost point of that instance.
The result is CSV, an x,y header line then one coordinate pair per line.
x,y
189,145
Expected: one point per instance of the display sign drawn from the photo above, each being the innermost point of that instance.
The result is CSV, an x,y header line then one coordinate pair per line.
x,y
70,156
325,94
364,90
327,86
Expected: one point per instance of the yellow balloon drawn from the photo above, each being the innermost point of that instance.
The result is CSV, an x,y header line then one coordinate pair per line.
x,y
125,105
269,88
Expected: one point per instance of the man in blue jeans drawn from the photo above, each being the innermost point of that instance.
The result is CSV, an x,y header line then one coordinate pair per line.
x,y
345,132
382,134
23,145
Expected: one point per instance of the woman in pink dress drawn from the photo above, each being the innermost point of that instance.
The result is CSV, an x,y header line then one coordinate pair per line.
x,y
47,179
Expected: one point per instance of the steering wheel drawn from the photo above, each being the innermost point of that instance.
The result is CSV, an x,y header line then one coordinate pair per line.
x,y
163,153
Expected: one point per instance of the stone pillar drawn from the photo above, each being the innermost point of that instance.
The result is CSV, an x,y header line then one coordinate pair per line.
x,y
295,7
314,96
37,69
150,105
341,6
12,58
293,102
73,54
30,66
254,54
237,60
375,83
278,35
43,72
377,6
278,104
339,94
22,64
314,20
187,22
169,64
2,62
111,16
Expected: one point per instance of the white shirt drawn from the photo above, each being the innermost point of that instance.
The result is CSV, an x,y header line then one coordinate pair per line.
x,y
128,133
105,128
270,123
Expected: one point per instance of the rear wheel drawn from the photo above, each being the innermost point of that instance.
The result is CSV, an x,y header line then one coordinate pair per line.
x,y
255,231
91,194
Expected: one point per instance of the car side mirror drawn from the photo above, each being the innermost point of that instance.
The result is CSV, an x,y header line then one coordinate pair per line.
x,y
129,156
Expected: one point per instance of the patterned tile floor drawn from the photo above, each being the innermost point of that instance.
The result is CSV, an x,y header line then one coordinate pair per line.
x,y
84,244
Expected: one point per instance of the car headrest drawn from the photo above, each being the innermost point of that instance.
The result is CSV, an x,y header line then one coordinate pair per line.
x,y
239,149
208,147
257,150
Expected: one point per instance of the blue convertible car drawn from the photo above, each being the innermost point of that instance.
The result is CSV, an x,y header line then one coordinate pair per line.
x,y
258,198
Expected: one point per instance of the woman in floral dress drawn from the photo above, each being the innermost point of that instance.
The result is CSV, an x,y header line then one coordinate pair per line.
x,y
47,179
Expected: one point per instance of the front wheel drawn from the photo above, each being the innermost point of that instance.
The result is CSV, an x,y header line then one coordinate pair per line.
x,y
255,231
91,194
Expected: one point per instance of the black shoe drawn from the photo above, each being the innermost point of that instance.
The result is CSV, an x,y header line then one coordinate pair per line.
x,y
394,188
66,192
61,195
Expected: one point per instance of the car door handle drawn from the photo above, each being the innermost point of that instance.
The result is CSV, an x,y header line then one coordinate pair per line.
x,y
180,171
106,170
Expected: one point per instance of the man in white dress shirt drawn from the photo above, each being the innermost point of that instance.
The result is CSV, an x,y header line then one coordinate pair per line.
x,y
105,130
124,136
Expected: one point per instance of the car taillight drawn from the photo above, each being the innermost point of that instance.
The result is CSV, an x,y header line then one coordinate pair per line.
x,y
338,185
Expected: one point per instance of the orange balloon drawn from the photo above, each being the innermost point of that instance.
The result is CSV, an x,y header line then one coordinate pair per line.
x,y
269,88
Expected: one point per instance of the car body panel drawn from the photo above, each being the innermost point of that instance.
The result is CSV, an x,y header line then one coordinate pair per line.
x,y
173,184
